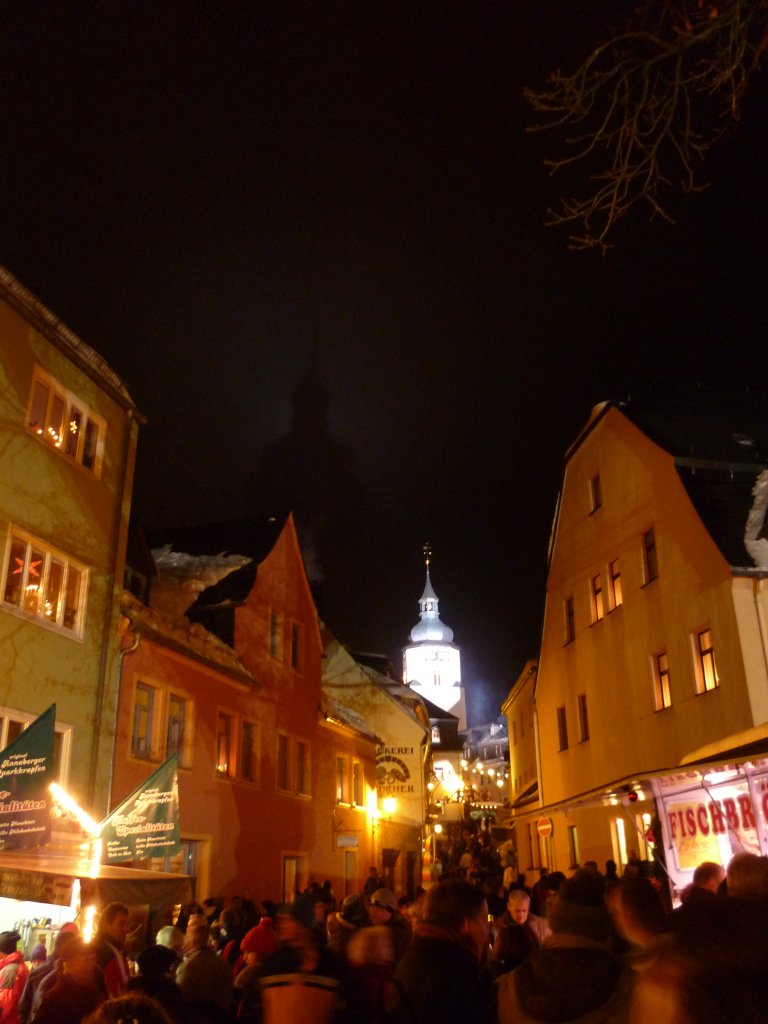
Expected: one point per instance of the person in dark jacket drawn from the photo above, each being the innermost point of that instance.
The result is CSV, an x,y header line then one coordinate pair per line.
x,y
157,967
74,989
40,973
384,911
441,975
575,976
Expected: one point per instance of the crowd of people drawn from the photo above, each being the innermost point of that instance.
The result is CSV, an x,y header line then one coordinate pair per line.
x,y
593,948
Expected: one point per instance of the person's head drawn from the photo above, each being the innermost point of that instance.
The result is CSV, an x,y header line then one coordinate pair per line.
x,y
198,936
637,911
579,908
171,938
748,875
372,945
258,942
130,1009
383,906
67,931
518,905
113,923
38,955
157,962
8,942
353,910
78,958
611,869
708,875
460,909
590,866
294,920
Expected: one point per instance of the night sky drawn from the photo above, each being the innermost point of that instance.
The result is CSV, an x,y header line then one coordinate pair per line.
x,y
231,201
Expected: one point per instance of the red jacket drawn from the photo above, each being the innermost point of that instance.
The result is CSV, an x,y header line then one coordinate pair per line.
x,y
13,977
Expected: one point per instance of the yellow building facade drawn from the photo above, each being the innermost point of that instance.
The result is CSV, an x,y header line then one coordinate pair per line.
x,y
69,432
654,635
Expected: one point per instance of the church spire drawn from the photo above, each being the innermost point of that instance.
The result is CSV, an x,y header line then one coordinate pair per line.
x,y
430,627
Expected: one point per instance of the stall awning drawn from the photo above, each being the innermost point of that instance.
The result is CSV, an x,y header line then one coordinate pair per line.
x,y
45,877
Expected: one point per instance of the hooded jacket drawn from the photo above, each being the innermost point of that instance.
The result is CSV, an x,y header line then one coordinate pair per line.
x,y
13,977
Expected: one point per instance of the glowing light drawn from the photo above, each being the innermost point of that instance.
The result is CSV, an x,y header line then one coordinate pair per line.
x,y
89,923
438,828
389,803
500,783
73,807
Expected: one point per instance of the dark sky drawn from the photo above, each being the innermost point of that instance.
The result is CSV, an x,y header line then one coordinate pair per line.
x,y
220,196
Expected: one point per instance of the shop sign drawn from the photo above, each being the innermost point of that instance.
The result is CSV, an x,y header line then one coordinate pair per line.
x,y
344,840
397,769
146,824
36,886
26,766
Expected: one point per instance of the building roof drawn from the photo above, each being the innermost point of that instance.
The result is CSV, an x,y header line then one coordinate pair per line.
x,y
719,441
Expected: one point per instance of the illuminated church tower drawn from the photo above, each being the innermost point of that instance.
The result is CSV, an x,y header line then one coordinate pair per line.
x,y
431,661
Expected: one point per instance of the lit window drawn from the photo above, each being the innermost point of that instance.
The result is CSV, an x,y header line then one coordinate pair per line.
x,y
342,780
597,598
662,692
595,493
249,751
176,729
614,584
562,729
302,768
62,421
42,582
706,669
224,765
583,718
651,564
435,733
357,784
143,717
570,620
275,635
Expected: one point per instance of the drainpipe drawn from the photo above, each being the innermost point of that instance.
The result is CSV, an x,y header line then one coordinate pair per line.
x,y
107,634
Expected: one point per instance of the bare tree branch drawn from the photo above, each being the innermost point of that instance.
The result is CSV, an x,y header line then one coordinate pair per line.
x,y
645,107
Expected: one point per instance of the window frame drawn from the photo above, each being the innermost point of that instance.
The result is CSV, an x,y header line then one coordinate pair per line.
x,y
596,596
225,770
303,767
595,493
662,690
650,556
615,593
569,620
562,729
149,732
71,406
63,736
342,779
583,717
33,546
705,661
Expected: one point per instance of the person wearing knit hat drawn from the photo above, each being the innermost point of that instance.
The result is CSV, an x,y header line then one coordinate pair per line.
x,y
299,981
38,955
384,911
256,944
344,923
13,976
575,976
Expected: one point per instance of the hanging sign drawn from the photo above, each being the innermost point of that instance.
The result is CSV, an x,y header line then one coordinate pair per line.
x,y
26,769
145,824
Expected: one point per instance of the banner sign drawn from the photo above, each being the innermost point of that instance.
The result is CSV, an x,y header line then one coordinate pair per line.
x,y
26,770
145,824
17,884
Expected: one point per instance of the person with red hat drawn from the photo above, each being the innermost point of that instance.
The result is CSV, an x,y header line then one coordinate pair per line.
x,y
255,945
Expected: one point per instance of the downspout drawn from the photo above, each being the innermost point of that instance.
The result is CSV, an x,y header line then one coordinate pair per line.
x,y
128,650
107,633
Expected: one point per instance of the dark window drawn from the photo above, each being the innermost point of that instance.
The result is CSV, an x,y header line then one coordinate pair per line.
x,y
651,559
562,729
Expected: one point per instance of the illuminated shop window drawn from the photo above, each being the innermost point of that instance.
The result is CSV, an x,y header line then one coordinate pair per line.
x,y
61,420
44,583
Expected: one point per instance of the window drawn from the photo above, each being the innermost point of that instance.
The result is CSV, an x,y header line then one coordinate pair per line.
x,y
296,658
224,759
435,733
514,734
583,718
570,621
614,585
143,716
175,734
342,780
249,752
573,845
283,762
12,725
663,696
649,553
276,635
597,598
64,422
706,669
357,784
302,768
562,729
595,493
44,583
